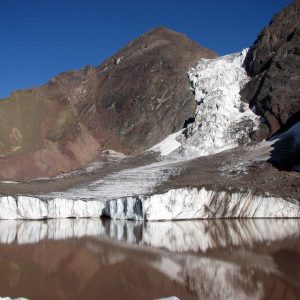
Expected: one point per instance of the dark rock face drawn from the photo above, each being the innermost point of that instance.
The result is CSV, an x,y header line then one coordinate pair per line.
x,y
129,103
273,62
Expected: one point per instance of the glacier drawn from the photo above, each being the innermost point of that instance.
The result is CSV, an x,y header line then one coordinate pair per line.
x,y
193,203
24,207
175,204
222,122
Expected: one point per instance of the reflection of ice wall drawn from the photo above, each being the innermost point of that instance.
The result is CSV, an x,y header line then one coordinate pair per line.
x,y
28,232
203,235
223,274
175,236
7,298
213,278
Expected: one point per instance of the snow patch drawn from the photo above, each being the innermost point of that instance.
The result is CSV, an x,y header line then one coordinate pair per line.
x,y
168,145
127,182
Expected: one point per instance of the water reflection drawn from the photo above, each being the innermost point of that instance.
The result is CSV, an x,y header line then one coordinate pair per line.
x,y
102,259
175,236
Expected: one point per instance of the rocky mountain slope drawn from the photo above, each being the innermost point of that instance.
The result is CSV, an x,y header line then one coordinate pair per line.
x,y
129,103
273,63
273,92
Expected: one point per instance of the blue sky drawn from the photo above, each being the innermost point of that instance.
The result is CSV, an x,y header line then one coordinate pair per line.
x,y
40,39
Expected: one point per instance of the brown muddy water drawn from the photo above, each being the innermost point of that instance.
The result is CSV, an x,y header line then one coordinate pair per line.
x,y
102,259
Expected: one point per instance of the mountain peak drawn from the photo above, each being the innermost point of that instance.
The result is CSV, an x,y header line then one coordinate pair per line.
x,y
129,103
162,30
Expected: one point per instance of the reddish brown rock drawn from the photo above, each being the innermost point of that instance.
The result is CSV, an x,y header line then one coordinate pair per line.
x,y
129,103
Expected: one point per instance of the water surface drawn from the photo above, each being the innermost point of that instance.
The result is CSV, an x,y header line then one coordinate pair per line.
x,y
103,259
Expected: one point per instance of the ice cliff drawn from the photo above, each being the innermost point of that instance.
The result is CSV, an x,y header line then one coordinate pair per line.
x,y
175,204
191,203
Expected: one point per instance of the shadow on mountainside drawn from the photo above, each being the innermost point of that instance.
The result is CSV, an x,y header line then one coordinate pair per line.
x,y
286,152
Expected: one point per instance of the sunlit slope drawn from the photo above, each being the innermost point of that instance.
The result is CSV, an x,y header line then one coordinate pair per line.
x,y
129,103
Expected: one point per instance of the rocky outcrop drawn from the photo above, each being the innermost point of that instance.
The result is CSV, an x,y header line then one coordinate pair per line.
x,y
144,89
129,103
273,62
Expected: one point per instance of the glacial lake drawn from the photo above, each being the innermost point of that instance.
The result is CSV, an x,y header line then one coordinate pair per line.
x,y
105,259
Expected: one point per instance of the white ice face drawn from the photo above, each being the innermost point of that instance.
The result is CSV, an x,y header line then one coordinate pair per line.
x,y
175,204
193,203
33,208
222,120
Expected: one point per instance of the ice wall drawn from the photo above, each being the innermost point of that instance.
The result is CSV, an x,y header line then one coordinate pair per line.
x,y
175,204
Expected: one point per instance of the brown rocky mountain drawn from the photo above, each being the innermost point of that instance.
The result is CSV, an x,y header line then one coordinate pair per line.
x,y
129,103
273,62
